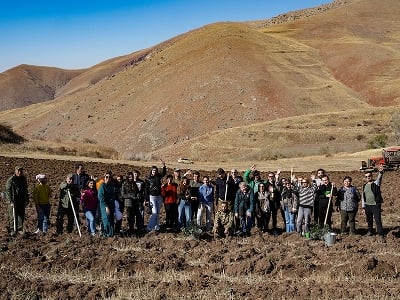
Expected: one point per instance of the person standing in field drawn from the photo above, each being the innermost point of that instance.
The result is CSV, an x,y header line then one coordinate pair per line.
x,y
41,198
17,198
64,206
289,204
244,208
184,203
132,199
141,186
195,184
89,202
347,202
107,200
206,198
372,201
225,189
153,196
325,195
306,192
170,199
318,181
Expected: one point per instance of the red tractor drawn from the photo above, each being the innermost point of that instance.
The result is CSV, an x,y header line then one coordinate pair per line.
x,y
390,159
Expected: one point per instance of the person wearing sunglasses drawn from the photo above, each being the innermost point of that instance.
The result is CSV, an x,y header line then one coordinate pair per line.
x,y
371,202
306,192
289,204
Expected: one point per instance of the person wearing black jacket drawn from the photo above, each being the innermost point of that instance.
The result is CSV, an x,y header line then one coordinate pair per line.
x,y
372,201
324,195
153,196
225,189
17,198
132,201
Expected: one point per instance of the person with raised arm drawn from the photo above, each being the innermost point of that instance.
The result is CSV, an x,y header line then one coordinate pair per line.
x,y
153,196
372,201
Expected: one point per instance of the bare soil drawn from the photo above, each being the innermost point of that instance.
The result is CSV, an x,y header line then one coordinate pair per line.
x,y
172,266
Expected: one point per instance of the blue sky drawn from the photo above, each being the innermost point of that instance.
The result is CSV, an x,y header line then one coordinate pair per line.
x,y
81,33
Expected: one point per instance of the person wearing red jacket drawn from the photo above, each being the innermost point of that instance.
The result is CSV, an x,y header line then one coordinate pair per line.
x,y
170,199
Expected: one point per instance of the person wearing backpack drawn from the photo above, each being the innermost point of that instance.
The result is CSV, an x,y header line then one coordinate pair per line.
x,y
347,202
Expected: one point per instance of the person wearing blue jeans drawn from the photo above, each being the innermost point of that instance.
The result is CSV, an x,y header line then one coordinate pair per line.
x,y
184,213
153,196
43,212
289,204
184,206
244,207
89,202
41,198
206,202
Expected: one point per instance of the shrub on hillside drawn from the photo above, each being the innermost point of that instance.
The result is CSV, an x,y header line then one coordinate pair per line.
x,y
8,136
379,141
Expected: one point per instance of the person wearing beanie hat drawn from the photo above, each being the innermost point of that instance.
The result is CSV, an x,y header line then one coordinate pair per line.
x,y
17,197
41,198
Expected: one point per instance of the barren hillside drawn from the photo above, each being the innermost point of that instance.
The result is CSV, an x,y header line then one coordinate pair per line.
x,y
227,76
25,85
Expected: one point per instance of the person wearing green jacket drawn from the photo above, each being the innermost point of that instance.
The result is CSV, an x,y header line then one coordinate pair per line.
x,y
253,178
17,198
64,205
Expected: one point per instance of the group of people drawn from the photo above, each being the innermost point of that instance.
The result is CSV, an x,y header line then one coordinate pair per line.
x,y
225,205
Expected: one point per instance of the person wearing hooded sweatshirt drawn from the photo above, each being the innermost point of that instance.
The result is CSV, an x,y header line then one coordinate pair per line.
x,y
153,196
41,198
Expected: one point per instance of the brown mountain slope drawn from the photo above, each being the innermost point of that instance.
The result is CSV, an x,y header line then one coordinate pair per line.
x,y
25,85
220,76
100,71
359,43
